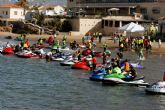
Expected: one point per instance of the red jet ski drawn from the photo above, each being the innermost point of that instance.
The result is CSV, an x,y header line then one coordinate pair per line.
x,y
88,52
81,65
8,50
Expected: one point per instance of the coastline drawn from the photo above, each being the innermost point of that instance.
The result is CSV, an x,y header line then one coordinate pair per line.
x,y
34,37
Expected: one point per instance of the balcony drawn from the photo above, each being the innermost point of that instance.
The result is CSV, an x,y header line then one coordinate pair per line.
x,y
113,3
117,1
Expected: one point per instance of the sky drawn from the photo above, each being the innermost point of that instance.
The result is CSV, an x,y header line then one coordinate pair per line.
x,y
56,2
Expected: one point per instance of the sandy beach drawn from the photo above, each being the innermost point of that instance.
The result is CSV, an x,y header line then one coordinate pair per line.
x,y
34,37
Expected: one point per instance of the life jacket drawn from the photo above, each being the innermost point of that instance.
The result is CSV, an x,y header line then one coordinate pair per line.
x,y
116,70
126,66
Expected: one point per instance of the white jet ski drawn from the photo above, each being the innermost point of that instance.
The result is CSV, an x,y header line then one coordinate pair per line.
x,y
156,88
69,62
116,81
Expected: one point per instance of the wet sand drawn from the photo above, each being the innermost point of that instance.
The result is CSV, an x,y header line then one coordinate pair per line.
x,y
34,37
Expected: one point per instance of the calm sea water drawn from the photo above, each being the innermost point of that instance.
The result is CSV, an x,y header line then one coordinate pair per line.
x,y
32,84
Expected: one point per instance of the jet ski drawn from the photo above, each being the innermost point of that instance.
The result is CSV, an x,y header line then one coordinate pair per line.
x,y
60,57
26,54
98,74
8,50
157,88
69,61
115,79
134,65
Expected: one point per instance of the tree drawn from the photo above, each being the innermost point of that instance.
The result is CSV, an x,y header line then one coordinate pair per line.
x,y
40,18
23,3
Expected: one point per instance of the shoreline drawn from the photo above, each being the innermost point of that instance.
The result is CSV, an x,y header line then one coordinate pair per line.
x,y
34,37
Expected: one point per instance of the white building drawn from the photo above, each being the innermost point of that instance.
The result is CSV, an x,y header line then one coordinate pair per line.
x,y
11,12
52,10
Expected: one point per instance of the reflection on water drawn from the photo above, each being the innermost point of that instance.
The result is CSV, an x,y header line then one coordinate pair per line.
x,y
33,84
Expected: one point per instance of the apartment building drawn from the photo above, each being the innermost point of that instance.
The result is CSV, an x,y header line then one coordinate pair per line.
x,y
151,9
11,11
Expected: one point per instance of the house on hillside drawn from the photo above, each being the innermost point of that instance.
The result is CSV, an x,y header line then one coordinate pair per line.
x,y
52,10
10,13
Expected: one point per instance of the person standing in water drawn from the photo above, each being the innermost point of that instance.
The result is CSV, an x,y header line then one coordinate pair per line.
x,y
141,55
94,62
159,43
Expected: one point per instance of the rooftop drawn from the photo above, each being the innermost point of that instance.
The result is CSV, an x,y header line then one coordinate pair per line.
x,y
9,6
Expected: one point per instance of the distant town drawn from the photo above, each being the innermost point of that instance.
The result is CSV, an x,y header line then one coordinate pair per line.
x,y
81,16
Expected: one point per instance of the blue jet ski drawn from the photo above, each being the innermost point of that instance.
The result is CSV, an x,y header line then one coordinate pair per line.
x,y
98,74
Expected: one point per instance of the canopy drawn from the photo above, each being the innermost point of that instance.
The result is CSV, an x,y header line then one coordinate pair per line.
x,y
113,9
132,27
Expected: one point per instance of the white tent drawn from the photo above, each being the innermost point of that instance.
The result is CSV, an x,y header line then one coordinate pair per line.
x,y
132,27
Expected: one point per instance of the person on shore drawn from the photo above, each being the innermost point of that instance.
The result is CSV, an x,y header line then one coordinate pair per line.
x,y
83,40
100,37
105,47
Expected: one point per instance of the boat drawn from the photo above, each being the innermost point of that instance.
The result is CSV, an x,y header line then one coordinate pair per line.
x,y
8,50
98,74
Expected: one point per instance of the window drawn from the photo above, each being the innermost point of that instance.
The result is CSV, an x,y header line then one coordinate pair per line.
x,y
106,22
3,12
15,12
6,12
110,23
143,11
155,10
117,23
